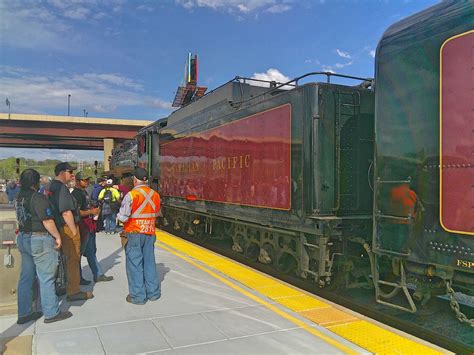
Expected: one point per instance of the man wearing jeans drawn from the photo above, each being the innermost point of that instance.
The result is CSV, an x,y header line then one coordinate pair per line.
x,y
138,213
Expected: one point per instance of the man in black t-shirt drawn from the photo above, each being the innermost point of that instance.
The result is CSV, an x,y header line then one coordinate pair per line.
x,y
67,218
87,228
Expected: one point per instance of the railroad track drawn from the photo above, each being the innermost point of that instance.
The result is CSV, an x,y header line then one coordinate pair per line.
x,y
436,323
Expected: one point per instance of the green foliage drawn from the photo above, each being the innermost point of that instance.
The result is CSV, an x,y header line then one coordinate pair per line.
x,y
44,167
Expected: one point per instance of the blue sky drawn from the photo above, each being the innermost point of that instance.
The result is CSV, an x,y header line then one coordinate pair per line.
x,y
125,59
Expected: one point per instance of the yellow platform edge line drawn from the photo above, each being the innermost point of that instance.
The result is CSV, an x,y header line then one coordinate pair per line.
x,y
271,307
385,335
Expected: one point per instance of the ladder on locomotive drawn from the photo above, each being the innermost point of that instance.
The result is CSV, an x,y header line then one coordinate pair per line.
x,y
400,285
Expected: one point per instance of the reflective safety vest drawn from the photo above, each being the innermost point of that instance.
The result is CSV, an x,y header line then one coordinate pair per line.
x,y
145,208
403,203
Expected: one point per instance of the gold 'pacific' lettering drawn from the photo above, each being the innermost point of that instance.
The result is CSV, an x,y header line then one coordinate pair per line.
x,y
233,162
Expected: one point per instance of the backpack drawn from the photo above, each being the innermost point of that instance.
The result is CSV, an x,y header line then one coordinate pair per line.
x,y
108,197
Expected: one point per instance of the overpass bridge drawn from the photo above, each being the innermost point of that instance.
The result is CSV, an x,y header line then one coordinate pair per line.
x,y
66,132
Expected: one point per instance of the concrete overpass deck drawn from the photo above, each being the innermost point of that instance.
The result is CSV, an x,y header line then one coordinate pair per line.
x,y
66,132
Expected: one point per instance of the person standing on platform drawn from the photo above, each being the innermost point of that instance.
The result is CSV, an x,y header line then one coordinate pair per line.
x,y
90,188
87,229
97,189
65,209
110,200
138,212
99,185
38,242
11,192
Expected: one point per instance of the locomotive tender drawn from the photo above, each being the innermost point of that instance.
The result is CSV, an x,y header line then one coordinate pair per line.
x,y
345,186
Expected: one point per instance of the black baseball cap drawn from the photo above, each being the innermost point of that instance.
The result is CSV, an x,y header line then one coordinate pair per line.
x,y
63,166
140,174
81,176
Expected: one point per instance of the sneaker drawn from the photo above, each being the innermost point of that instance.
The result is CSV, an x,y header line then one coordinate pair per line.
x,y
30,317
80,296
85,282
104,278
129,300
154,298
60,316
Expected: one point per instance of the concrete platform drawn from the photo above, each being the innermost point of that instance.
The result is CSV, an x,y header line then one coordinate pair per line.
x,y
209,305
196,314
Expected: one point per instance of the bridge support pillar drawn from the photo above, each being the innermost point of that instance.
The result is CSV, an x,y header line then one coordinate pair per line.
x,y
108,146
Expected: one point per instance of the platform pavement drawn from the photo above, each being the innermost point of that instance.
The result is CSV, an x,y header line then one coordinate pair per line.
x,y
196,314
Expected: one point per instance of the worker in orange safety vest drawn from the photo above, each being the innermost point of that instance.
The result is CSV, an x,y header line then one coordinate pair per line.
x,y
138,213
403,203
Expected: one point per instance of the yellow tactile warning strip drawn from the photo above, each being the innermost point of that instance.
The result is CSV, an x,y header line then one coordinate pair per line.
x,y
366,335
302,303
378,340
328,316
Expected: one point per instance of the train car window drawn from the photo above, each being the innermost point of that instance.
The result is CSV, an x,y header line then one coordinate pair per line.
x,y
457,134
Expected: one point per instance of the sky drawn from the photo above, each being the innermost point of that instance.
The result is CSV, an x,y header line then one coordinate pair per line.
x,y
125,59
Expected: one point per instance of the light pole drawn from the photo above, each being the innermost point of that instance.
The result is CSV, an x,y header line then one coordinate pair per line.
x,y
9,107
68,103
85,112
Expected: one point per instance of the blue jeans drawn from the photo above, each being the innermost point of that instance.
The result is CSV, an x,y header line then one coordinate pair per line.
x,y
110,222
143,282
90,252
38,258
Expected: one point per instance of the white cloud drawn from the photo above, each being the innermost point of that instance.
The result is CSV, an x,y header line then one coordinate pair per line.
x,y
372,53
114,79
271,74
278,9
49,25
343,54
79,13
332,68
99,15
145,7
31,27
112,31
312,61
239,6
104,109
159,103
95,92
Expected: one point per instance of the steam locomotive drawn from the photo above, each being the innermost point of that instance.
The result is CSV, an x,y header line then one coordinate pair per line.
x,y
343,184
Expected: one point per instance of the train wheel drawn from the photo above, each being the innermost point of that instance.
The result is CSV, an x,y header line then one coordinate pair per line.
x,y
266,255
253,251
287,264
238,241
177,224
